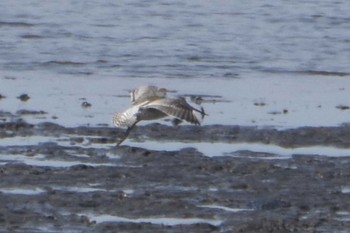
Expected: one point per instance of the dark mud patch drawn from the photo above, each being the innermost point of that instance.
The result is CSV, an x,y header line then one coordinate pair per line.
x,y
89,185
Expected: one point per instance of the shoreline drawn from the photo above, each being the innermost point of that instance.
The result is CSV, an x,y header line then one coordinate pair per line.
x,y
337,136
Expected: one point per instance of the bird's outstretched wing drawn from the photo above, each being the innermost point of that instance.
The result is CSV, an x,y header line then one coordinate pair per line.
x,y
177,108
126,119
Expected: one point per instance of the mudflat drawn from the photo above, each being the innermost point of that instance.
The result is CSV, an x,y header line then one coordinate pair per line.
x,y
56,178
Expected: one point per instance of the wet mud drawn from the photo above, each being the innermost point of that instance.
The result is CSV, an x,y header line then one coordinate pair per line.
x,y
93,186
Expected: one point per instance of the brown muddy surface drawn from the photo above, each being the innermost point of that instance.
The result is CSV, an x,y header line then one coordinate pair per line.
x,y
93,186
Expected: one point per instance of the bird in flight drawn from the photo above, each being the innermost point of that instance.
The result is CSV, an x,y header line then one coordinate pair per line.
x,y
152,103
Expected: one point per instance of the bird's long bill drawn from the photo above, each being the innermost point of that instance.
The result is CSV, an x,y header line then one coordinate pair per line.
x,y
126,134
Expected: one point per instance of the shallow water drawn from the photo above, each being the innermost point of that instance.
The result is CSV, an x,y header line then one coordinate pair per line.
x,y
162,221
22,191
244,150
174,39
286,102
42,161
273,63
225,208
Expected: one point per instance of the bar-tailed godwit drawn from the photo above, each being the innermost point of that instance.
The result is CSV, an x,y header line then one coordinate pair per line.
x,y
152,103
